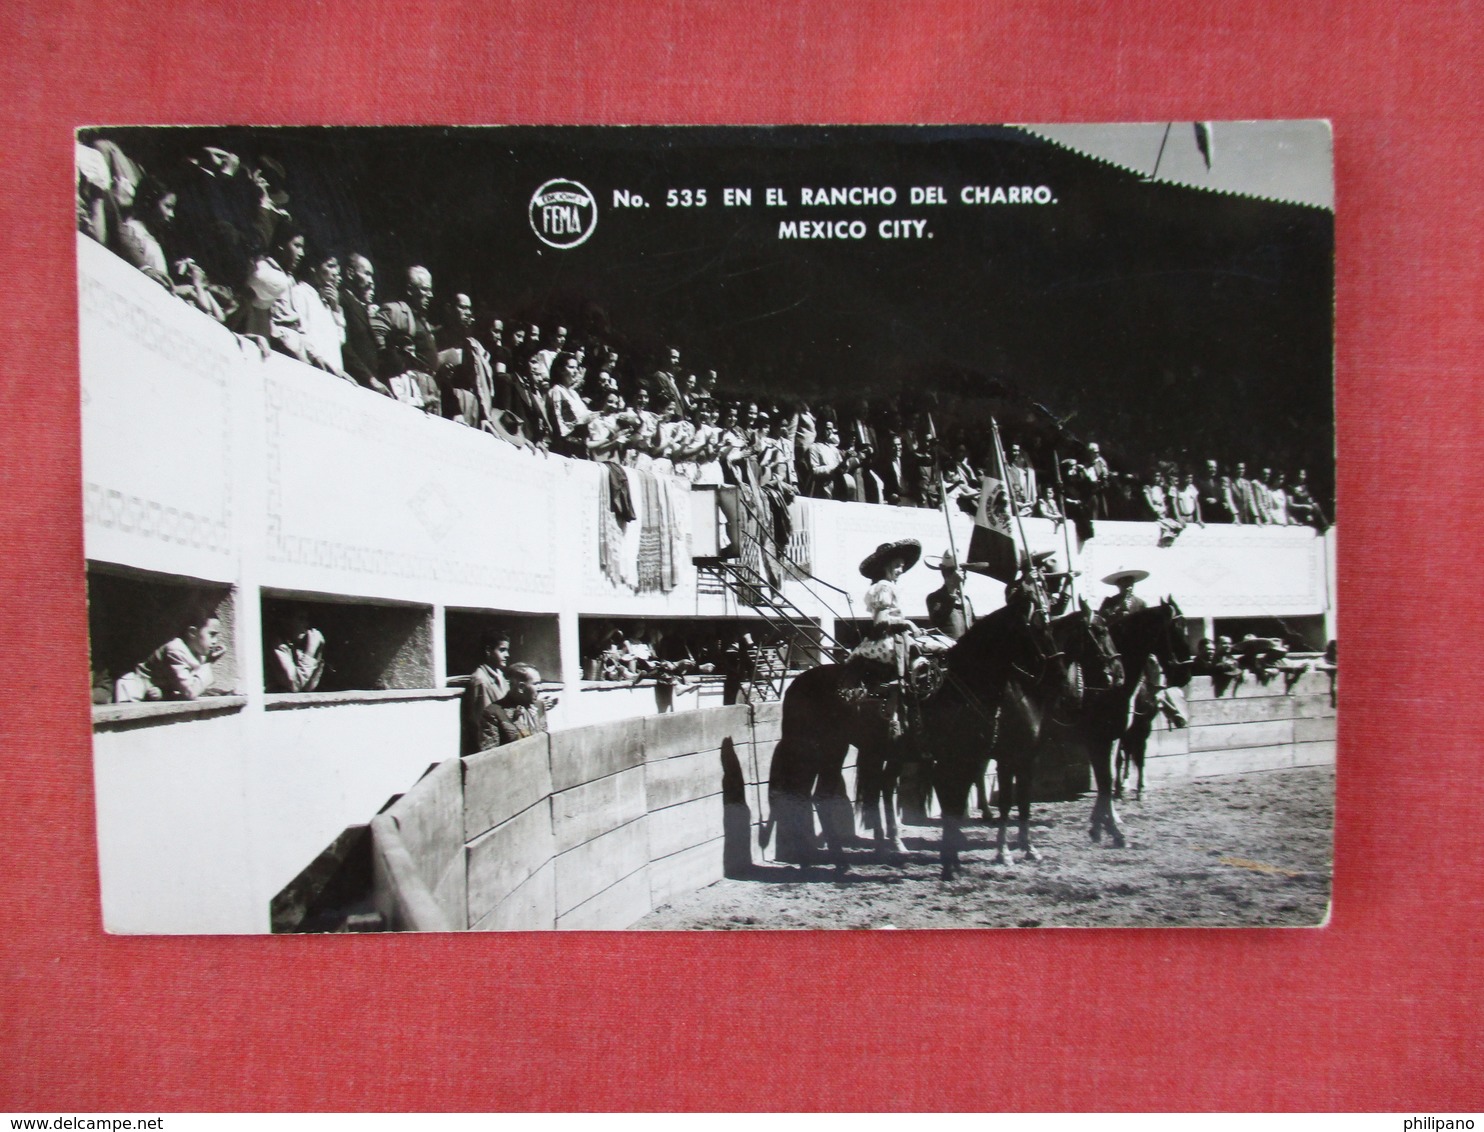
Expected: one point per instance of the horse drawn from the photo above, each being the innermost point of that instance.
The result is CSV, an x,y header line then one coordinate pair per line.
x,y
1157,631
826,710
1003,677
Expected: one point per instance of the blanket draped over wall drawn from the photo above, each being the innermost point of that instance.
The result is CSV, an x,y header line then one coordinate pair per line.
x,y
650,556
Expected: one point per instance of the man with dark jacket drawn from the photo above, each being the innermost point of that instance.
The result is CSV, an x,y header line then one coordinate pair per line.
x,y
358,300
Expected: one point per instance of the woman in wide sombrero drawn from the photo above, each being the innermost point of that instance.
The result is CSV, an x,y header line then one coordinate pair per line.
x,y
891,639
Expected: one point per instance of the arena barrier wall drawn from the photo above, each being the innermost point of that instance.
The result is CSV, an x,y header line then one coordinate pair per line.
x,y
590,828
1250,725
595,827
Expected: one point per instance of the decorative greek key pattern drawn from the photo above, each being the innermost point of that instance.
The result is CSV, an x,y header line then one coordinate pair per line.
x,y
114,509
430,502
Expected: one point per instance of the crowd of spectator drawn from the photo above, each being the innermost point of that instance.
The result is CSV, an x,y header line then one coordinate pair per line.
x,y
216,231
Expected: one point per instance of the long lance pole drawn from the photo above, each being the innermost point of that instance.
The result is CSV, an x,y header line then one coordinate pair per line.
x,y
1066,523
1025,544
943,494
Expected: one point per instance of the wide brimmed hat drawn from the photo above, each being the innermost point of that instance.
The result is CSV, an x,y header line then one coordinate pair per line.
x,y
1118,576
909,550
945,561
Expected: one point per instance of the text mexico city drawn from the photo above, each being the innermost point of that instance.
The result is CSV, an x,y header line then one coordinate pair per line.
x,y
885,197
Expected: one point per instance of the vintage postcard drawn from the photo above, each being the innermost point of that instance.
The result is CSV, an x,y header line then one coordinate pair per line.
x,y
526,528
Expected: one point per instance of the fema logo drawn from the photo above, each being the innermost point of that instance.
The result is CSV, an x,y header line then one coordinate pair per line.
x,y
563,213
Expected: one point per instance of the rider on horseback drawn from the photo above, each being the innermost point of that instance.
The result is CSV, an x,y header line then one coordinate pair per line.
x,y
885,653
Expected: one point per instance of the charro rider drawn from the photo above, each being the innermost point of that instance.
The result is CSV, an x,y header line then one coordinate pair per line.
x,y
891,641
949,608
1118,606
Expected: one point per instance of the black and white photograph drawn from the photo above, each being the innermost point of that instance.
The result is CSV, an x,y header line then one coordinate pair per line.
x,y
671,528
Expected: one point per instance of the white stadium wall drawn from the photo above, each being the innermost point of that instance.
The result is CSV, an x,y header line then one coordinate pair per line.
x,y
204,462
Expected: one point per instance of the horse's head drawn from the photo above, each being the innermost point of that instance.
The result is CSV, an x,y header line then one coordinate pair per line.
x,y
1084,637
1172,645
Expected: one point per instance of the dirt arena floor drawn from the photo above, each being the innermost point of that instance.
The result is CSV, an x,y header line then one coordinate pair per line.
x,y
1236,851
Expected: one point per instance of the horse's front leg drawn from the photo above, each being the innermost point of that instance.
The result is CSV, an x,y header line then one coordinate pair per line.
x,y
1007,787
953,835
1023,802
1104,816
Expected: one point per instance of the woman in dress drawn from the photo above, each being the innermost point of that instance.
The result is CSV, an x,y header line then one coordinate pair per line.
x,y
889,643
569,411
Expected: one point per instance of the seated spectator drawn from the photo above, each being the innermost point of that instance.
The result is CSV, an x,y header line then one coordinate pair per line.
x,y
707,444
1208,487
360,354
616,661
297,661
609,431
180,669
522,713
1156,506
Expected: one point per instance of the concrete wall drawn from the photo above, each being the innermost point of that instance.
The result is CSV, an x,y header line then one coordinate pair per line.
x,y
590,828
206,810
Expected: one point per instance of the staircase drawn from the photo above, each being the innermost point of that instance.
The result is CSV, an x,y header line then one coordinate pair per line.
x,y
803,639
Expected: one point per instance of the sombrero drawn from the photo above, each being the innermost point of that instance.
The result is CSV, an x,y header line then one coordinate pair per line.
x,y
909,550
1119,575
946,561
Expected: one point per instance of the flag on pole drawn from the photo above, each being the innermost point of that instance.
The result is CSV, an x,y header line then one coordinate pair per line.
x,y
992,545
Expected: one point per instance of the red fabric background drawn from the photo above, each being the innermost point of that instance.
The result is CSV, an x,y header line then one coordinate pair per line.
x,y
1379,1011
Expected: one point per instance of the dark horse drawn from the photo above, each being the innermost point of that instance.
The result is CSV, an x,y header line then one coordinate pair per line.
x,y
827,710
1004,678
1006,695
1105,720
